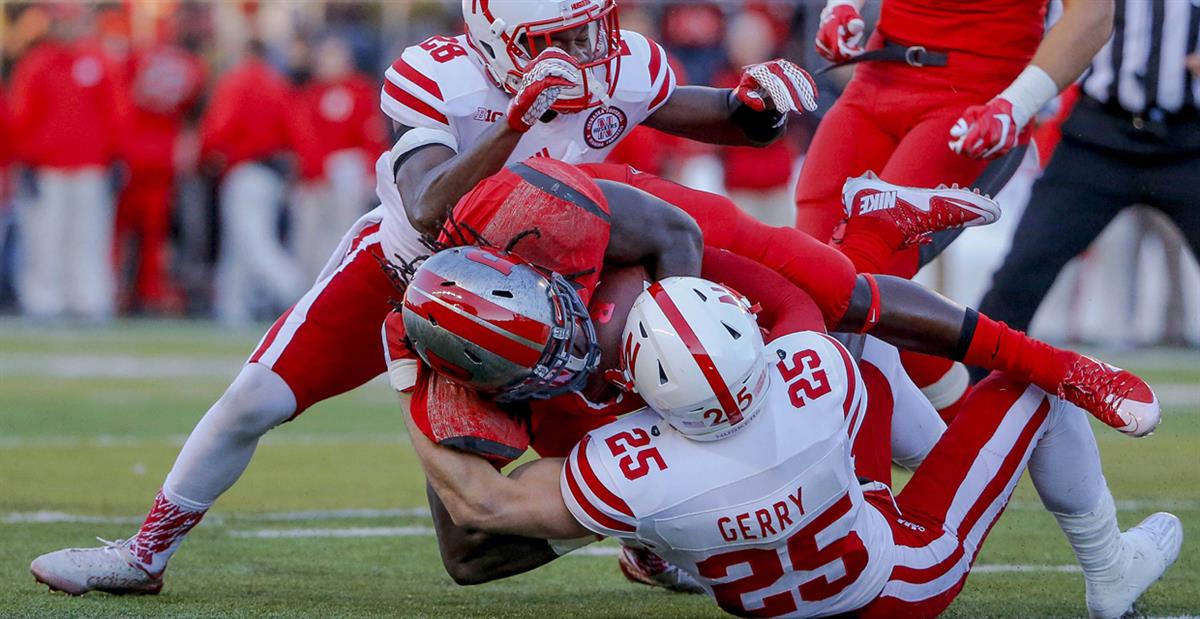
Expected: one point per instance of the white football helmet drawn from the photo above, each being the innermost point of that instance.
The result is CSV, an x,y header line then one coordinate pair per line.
x,y
694,352
509,34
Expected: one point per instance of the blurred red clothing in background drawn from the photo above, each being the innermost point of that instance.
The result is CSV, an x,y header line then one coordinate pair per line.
x,y
247,118
64,107
335,116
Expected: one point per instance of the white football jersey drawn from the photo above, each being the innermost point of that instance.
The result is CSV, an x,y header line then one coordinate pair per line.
x,y
441,84
771,520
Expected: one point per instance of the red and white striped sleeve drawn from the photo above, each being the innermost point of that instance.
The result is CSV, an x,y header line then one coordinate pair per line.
x,y
854,399
662,77
588,491
411,95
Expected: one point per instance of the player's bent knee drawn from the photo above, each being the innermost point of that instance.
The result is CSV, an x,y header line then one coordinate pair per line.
x,y
258,400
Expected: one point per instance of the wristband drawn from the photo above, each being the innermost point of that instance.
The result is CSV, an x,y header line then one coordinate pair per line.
x,y
1031,91
872,317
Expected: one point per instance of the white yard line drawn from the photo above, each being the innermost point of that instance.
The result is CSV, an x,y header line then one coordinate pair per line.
x,y
176,440
335,533
219,518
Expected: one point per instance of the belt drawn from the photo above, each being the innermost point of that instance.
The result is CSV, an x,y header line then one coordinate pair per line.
x,y
912,55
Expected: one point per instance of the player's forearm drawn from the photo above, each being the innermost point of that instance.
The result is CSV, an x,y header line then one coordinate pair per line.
x,y
713,116
474,557
441,186
1070,45
909,315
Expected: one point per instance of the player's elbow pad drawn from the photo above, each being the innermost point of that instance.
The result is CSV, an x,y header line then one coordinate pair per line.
x,y
416,139
759,127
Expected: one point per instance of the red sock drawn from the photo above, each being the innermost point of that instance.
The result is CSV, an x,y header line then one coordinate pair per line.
x,y
162,532
996,346
871,243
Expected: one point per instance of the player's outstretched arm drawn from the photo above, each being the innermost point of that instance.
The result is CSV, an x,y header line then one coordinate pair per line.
x,y
477,496
753,114
649,231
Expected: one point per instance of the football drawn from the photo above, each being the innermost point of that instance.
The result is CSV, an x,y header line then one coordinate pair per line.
x,y
610,304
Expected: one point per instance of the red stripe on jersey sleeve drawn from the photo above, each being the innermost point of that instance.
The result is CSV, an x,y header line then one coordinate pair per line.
x,y
851,379
418,78
656,60
411,102
662,92
595,514
595,485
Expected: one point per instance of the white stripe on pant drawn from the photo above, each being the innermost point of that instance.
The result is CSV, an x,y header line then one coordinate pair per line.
x,y
67,230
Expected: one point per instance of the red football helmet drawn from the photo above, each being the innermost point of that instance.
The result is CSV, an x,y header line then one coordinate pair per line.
x,y
491,321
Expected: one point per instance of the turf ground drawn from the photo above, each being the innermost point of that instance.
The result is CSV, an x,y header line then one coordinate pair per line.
x,y
329,520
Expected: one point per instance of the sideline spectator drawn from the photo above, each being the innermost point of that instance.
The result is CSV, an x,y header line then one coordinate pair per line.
x,y
243,135
756,178
64,110
339,134
165,82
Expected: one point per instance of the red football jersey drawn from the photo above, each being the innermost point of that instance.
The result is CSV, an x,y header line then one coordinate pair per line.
x,y
1005,29
560,211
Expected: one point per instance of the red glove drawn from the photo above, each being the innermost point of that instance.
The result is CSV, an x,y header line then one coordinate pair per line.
x,y
782,84
839,37
986,131
552,72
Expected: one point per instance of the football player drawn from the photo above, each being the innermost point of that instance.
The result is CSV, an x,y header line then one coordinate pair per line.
x,y
973,77
743,472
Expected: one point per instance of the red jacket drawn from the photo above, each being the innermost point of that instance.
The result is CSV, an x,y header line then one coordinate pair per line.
x,y
165,83
64,107
247,118
334,116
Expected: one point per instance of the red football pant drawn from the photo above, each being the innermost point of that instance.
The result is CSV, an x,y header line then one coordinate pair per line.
x,y
940,519
144,214
893,120
328,342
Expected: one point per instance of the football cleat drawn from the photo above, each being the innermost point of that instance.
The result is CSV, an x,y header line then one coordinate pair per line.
x,y
1149,549
110,568
917,212
1115,396
642,566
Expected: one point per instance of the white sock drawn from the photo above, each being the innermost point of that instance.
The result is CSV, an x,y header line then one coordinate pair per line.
x,y
1096,540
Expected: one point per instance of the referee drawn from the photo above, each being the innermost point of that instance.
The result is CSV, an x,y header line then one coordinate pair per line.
x,y
1133,138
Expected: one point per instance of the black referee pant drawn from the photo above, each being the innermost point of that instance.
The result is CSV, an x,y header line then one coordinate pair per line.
x,y
1107,161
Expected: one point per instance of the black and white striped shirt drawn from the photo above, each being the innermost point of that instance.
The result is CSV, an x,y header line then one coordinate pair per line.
x,y
1143,68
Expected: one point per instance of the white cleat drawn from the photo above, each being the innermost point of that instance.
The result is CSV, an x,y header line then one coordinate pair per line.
x,y
917,212
645,567
1151,546
110,568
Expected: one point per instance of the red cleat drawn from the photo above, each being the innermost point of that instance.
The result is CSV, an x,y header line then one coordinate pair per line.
x,y
917,212
1112,395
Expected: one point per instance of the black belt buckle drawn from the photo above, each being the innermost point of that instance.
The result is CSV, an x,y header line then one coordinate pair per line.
x,y
915,55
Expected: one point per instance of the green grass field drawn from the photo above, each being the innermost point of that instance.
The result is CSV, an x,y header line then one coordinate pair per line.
x,y
329,522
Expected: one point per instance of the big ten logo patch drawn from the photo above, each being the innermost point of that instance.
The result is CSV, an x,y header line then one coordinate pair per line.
x,y
604,126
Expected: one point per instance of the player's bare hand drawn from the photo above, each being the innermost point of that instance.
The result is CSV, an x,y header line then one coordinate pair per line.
x,y
986,131
777,85
840,35
554,74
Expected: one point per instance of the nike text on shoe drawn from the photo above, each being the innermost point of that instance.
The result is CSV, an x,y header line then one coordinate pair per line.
x,y
1149,549
647,568
1115,396
917,212
110,568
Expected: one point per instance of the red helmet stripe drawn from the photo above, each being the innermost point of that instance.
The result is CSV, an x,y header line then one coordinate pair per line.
x,y
524,327
472,328
699,354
